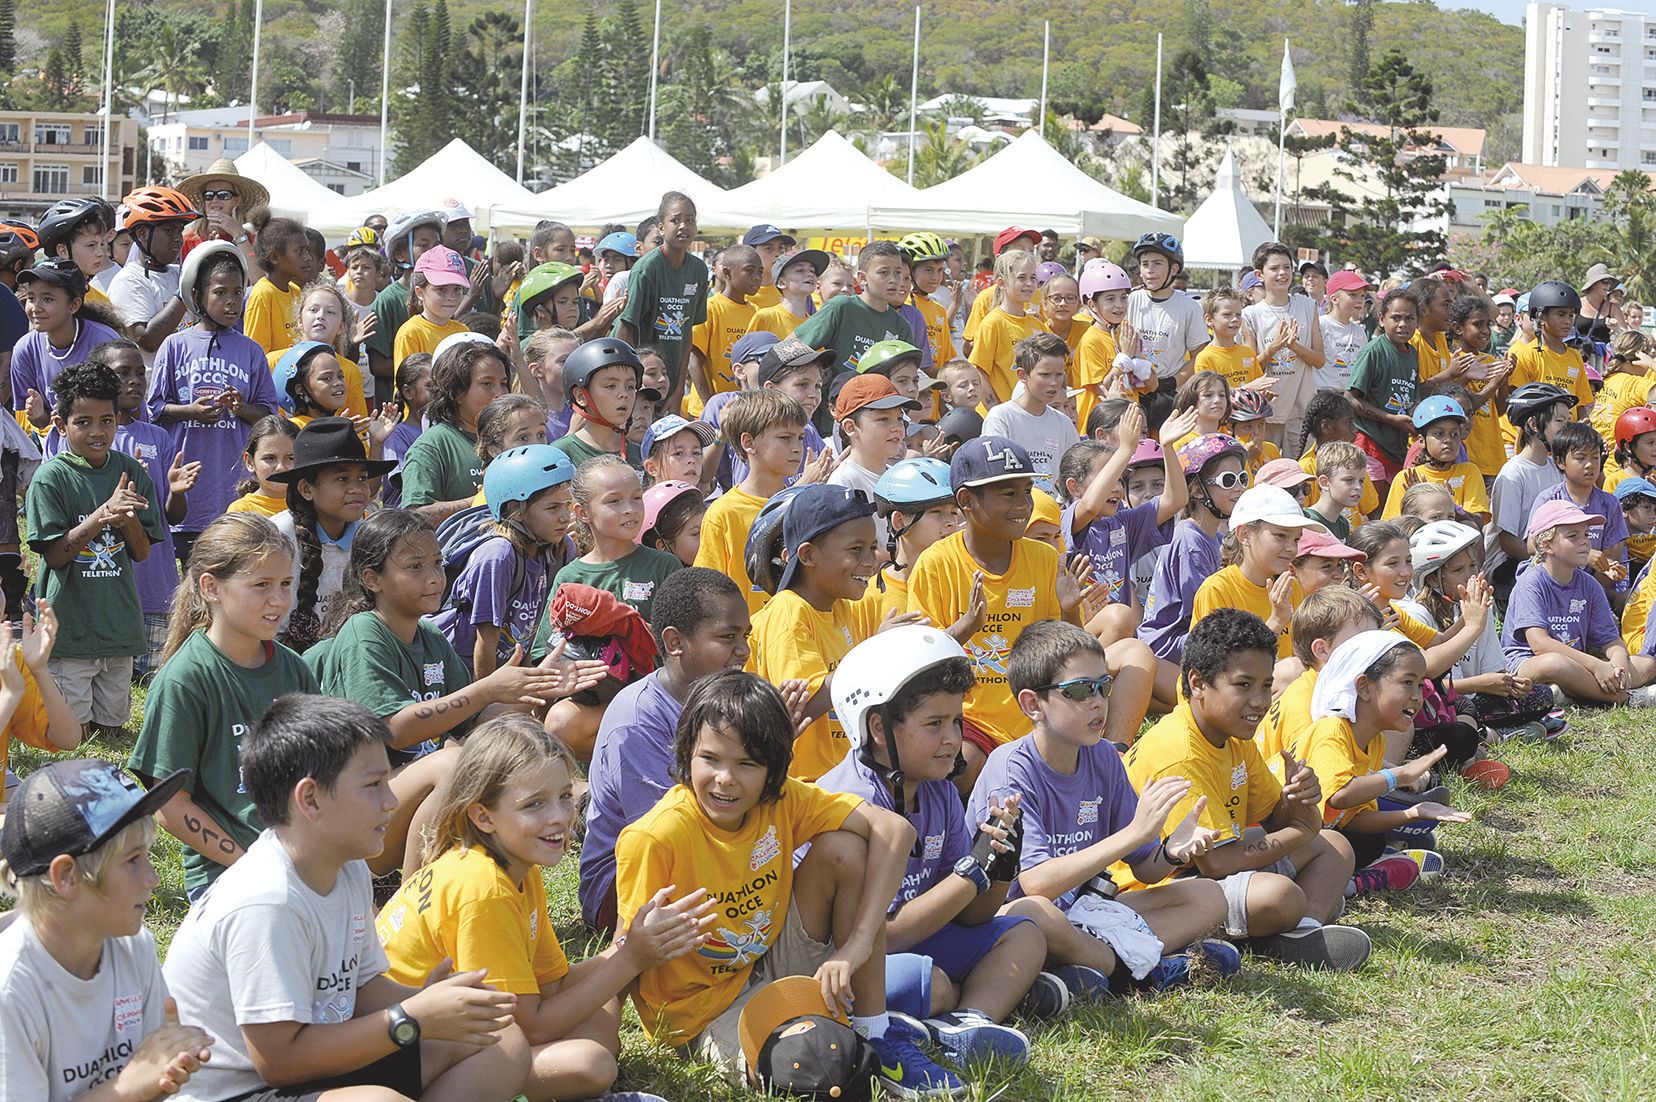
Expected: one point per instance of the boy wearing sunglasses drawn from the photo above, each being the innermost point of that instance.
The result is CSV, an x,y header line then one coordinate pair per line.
x,y
1082,819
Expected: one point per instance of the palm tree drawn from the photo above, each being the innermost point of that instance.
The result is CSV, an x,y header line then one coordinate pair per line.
x,y
940,157
176,67
1630,201
887,102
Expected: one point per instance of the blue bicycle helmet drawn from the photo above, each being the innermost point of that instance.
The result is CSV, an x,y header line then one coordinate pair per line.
x,y
1436,408
1164,243
620,243
518,474
913,483
287,369
763,553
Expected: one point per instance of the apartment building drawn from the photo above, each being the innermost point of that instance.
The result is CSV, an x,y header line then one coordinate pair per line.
x,y
1589,87
49,155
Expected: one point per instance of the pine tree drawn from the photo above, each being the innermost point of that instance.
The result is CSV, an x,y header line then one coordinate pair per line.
x,y
232,70
55,80
1190,118
72,59
1362,23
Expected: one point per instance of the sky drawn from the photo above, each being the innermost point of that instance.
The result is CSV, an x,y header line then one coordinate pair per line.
x,y
1512,11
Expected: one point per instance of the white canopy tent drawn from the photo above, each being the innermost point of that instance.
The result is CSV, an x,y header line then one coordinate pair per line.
x,y
456,171
830,185
1226,229
1028,183
624,188
293,192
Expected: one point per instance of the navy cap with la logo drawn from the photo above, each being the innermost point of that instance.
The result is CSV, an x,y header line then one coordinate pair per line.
x,y
989,459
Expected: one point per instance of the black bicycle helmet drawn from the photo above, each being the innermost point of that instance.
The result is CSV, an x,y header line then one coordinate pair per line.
x,y
64,217
593,356
960,425
1533,398
1552,294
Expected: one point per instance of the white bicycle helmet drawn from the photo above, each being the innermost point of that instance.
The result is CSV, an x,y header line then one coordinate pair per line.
x,y
1438,542
877,669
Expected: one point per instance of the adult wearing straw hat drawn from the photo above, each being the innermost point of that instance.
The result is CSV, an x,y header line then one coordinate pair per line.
x,y
1593,320
227,200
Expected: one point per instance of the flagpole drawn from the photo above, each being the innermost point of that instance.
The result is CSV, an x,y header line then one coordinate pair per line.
x,y
1282,160
914,93
385,91
655,66
1286,87
1046,56
523,87
253,93
787,45
108,96
1155,140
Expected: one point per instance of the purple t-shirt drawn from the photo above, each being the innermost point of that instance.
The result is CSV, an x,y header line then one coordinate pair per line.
x,y
944,836
1116,542
195,364
632,768
1190,558
733,469
922,337
1577,614
1061,814
483,595
557,423
36,365
396,447
1608,534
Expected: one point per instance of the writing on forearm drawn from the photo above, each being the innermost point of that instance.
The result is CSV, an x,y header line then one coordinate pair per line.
x,y
459,702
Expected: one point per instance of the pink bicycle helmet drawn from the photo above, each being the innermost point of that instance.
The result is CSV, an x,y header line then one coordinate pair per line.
x,y
657,498
1148,452
1204,450
1102,275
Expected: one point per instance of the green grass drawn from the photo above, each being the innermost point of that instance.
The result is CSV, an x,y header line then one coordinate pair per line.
x,y
1523,973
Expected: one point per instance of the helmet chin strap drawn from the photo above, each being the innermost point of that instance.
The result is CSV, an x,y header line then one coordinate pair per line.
x,y
594,416
893,774
1207,499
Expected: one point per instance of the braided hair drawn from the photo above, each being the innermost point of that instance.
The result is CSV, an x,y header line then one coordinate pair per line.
x,y
305,621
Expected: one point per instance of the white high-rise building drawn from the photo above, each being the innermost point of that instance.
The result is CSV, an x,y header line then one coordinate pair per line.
x,y
1589,87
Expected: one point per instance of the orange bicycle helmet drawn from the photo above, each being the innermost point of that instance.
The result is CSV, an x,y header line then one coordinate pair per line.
x,y
147,206
18,233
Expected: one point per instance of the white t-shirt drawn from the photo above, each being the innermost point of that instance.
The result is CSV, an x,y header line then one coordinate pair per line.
x,y
336,557
104,278
1170,329
1484,656
60,1035
1511,500
262,947
1045,436
139,293
1263,320
854,476
617,285
1341,343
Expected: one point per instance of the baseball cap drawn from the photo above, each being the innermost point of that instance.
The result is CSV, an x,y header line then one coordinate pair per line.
x,y
1046,509
1325,546
1550,514
1347,281
790,352
816,258
657,498
869,392
455,211
1010,234
986,459
762,234
1286,473
442,267
750,346
815,511
1250,280
794,1044
1273,505
1634,486
74,807
672,425
1313,266
57,271
1094,243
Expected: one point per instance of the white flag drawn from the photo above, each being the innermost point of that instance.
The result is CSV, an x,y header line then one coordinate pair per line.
x,y
1285,89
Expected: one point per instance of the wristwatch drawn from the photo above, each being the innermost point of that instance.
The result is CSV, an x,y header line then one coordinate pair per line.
x,y
969,867
404,1031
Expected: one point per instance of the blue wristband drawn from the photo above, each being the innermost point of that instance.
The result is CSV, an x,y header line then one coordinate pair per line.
x,y
1391,780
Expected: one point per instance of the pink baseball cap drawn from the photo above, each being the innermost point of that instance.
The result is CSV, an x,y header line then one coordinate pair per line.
x,y
1325,546
443,267
1286,473
1347,281
1550,514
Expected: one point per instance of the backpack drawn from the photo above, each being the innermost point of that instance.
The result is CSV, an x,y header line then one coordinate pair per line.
x,y
462,534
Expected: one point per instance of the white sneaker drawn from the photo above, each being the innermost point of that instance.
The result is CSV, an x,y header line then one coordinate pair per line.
x,y
1644,697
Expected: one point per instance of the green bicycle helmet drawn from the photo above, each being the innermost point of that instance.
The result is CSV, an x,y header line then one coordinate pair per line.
x,y
884,357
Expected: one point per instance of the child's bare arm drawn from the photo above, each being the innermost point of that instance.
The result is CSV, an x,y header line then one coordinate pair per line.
x,y
186,821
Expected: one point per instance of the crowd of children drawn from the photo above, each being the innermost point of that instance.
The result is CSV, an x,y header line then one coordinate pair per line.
x,y
904,665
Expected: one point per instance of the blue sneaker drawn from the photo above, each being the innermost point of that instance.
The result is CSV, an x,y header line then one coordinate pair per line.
x,y
1219,956
965,1036
1084,982
906,1072
1173,971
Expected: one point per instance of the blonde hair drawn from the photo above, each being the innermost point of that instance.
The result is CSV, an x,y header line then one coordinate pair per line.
x,y
539,344
493,754
1414,498
1339,455
1624,348
35,894
324,285
1210,302
231,544
1006,264
1324,613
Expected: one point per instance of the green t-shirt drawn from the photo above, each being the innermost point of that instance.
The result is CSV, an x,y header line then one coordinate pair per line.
x,y
665,303
1338,526
442,465
390,311
200,705
96,593
634,579
847,326
366,663
1388,377
1501,339
579,451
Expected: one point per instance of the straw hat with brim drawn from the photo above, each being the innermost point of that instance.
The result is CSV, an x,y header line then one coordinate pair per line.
x,y
328,442
223,173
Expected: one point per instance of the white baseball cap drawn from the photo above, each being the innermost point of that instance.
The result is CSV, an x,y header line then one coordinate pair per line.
x,y
1273,505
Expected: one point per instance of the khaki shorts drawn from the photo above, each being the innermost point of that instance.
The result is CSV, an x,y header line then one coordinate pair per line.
x,y
1235,887
98,689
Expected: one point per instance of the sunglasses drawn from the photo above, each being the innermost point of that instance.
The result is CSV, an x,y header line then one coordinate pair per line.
x,y
226,193
1230,480
1081,688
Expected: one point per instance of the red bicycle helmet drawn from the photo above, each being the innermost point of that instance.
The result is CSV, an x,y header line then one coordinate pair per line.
x,y
1635,423
148,206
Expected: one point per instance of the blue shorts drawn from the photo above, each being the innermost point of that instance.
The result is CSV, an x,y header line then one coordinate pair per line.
x,y
958,949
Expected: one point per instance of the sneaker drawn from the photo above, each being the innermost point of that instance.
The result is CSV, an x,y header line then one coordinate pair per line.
x,y
1430,862
1169,972
1526,732
1047,997
1436,794
1644,697
906,1072
966,1037
1220,957
1555,723
1083,982
1389,874
1336,948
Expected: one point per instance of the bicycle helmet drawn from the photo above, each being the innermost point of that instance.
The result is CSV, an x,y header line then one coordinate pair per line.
x,y
17,235
363,237
1553,294
657,498
64,217
620,242
1438,542
287,368
763,552
1148,453
542,280
611,650
190,274
1102,275
922,246
1249,405
1200,452
1437,408
400,230
595,355
1635,423
518,474
1164,243
913,484
150,206
960,425
884,357
1533,398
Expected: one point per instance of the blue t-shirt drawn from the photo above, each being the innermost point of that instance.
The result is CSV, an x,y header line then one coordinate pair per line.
x,y
944,836
1116,542
1576,614
483,594
1191,557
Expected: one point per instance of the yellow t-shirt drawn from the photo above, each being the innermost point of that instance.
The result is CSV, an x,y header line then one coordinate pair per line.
x,y
1026,593
992,350
256,502
724,536
727,320
1620,393
28,723
1094,358
937,330
465,908
1236,363
776,319
791,639
1329,747
1072,334
419,334
1637,612
1485,446
1288,716
749,871
1434,356
1463,480
1240,790
1418,632
1230,588
1365,508
271,316
356,402
96,297
887,594
1267,452
1536,364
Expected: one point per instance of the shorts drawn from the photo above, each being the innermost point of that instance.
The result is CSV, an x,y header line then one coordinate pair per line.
x,y
1235,887
794,953
9,534
399,1071
978,737
155,641
958,949
1367,848
1374,451
98,689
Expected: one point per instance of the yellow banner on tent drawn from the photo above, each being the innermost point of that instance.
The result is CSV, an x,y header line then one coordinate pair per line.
x,y
839,245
